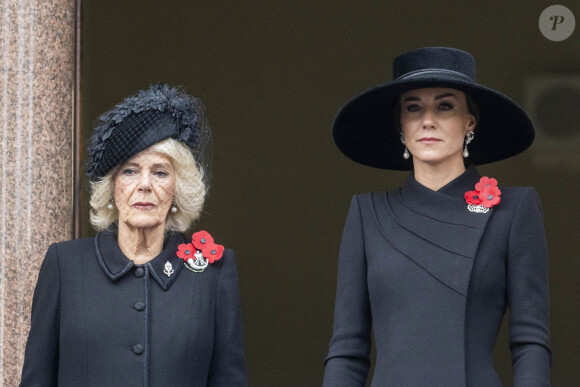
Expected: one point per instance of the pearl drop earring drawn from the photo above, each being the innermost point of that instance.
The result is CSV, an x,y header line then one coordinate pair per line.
x,y
110,205
406,154
468,137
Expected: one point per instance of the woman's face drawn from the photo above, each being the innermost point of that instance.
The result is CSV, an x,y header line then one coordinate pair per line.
x,y
434,122
144,190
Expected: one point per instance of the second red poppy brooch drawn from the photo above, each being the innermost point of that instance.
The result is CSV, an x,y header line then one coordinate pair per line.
x,y
200,252
485,196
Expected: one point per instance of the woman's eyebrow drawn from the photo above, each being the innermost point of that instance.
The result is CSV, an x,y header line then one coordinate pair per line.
x,y
411,98
129,164
164,164
444,96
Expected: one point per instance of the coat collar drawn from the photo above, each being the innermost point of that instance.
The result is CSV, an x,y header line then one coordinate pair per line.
x,y
434,229
446,204
115,264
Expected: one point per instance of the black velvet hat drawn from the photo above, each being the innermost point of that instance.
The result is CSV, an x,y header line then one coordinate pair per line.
x,y
145,119
367,131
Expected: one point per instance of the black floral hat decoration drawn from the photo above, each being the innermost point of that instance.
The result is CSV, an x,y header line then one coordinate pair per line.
x,y
366,128
143,120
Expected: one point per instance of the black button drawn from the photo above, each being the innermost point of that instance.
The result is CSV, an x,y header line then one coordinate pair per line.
x,y
140,306
138,349
139,272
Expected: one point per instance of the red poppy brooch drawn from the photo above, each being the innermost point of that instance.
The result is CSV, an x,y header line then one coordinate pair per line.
x,y
485,196
200,252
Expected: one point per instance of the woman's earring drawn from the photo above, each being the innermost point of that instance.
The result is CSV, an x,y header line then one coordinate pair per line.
x,y
468,137
173,207
110,205
406,154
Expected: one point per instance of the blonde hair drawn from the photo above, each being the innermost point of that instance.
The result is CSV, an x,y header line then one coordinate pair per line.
x,y
189,198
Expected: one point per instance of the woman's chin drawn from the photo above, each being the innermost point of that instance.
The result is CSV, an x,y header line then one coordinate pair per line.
x,y
144,223
436,158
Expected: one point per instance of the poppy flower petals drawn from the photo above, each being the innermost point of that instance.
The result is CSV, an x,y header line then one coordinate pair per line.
x,y
204,242
490,196
185,251
201,239
472,197
486,193
214,253
485,182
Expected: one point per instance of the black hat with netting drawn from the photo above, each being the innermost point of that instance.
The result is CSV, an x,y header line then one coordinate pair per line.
x,y
145,119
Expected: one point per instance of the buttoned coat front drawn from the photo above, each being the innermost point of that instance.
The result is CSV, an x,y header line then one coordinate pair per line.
x,y
100,320
434,280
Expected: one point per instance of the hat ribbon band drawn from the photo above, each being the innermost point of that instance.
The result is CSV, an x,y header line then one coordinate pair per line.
x,y
416,73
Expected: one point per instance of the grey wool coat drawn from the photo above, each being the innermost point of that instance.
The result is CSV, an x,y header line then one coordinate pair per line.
x,y
100,320
434,280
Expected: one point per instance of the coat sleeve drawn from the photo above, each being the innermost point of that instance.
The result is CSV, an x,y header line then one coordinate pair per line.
x,y
42,349
347,363
528,294
228,363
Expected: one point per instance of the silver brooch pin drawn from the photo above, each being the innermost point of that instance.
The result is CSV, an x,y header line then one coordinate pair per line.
x,y
199,263
479,209
168,269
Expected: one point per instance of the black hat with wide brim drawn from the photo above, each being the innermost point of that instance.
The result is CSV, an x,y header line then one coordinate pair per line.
x,y
367,131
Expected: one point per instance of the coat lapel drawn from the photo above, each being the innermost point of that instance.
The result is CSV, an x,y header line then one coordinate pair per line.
x,y
434,229
115,264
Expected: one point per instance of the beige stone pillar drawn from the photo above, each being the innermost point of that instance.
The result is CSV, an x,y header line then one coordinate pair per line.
x,y
36,132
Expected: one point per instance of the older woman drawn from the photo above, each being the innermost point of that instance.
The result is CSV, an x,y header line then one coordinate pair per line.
x,y
139,305
433,266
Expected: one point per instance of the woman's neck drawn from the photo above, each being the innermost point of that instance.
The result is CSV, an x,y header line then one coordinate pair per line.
x,y
436,176
140,244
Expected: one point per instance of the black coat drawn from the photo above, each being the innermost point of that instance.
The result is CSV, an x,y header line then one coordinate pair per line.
x,y
434,281
100,320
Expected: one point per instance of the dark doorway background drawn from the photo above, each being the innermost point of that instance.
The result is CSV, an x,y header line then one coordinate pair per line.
x,y
273,75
